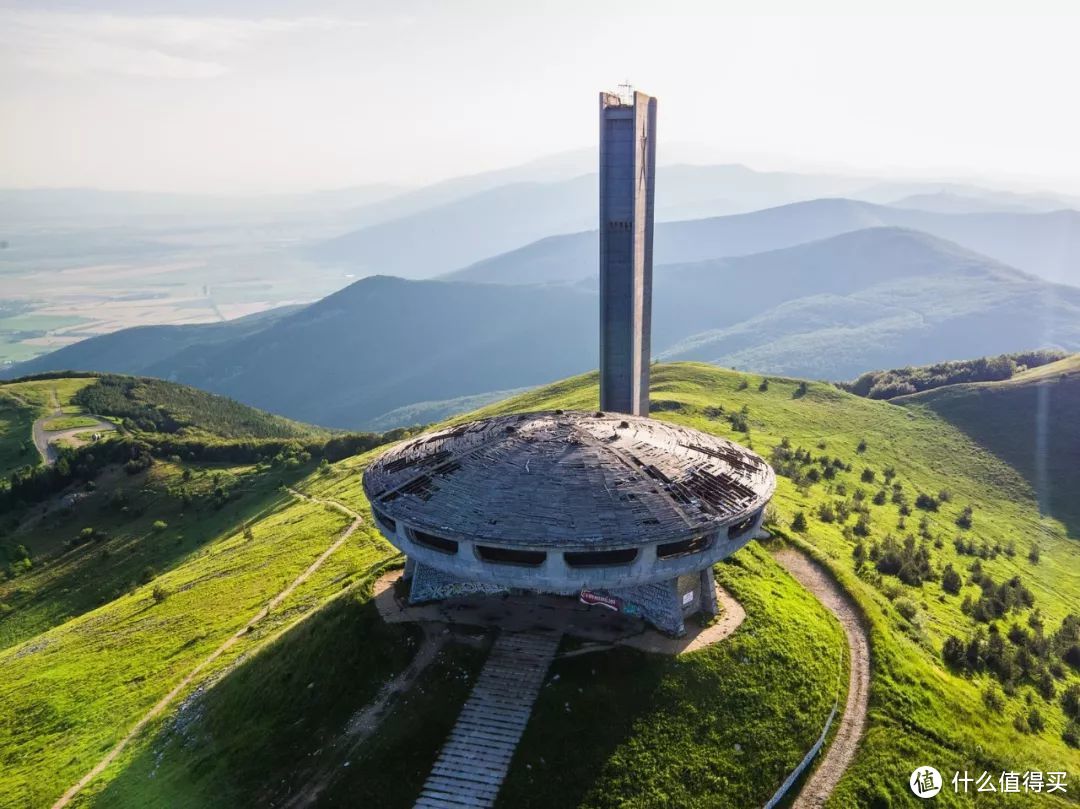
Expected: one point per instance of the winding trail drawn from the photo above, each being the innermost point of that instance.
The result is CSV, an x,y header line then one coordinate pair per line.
x,y
229,642
366,721
45,440
839,755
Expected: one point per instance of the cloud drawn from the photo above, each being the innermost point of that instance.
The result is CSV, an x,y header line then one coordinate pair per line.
x,y
174,47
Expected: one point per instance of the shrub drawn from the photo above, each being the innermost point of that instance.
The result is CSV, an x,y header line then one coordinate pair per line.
x,y
951,581
1034,554
159,593
159,526
993,698
1035,721
906,607
1070,701
861,448
799,522
926,502
964,520
952,652
764,386
908,562
1071,734
867,475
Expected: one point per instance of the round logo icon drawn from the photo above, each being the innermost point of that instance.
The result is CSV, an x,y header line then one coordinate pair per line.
x,y
925,782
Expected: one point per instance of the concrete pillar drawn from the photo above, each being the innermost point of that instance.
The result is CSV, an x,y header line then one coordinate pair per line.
x,y
627,180
709,605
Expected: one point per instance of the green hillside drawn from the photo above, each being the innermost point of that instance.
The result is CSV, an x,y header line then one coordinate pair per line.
x,y
156,406
915,379
92,643
1031,421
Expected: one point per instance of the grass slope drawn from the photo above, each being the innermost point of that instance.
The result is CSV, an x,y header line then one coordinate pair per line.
x,y
920,711
1031,421
256,724
153,405
16,446
721,727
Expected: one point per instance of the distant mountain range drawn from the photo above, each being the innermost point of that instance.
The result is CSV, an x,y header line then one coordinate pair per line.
x,y
877,297
441,229
1045,244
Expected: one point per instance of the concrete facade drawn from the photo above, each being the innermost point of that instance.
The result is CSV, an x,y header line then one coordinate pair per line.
x,y
626,512
627,186
631,511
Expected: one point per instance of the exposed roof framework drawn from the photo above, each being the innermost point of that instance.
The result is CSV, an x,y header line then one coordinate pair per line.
x,y
569,479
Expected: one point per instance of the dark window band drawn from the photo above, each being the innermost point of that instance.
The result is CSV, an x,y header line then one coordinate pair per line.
x,y
622,556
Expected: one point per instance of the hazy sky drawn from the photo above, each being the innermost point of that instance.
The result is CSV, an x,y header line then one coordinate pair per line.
x,y
282,96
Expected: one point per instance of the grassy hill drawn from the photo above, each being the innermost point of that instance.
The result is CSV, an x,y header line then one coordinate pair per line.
x,y
90,647
155,406
903,381
1030,421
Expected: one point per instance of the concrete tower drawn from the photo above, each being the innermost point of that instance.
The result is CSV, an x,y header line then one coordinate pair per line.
x,y
627,174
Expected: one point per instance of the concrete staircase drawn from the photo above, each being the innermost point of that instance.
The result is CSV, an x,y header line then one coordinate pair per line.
x,y
475,759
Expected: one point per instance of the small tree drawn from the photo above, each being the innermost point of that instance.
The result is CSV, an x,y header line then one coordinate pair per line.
x,y
249,535
799,522
159,526
159,593
1033,555
1070,701
862,446
993,698
964,520
1071,734
951,581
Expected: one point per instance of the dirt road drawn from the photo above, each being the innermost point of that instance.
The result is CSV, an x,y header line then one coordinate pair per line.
x,y
830,769
229,642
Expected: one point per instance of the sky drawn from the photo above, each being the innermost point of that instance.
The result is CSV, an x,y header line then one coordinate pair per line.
x,y
282,96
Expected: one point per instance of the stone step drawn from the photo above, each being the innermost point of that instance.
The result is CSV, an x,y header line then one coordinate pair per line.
x,y
474,760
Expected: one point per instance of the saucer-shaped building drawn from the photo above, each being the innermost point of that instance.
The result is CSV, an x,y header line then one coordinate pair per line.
x,y
623,511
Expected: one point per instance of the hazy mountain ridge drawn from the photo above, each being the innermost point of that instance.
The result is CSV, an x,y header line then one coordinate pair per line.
x,y
878,297
454,224
1044,244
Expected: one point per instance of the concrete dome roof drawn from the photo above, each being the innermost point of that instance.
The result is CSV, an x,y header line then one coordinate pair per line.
x,y
568,479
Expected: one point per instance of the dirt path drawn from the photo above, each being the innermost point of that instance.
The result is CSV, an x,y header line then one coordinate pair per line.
x,y
163,703
824,778
367,720
46,440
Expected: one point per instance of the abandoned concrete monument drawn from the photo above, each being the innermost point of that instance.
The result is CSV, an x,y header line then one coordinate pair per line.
x,y
613,507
